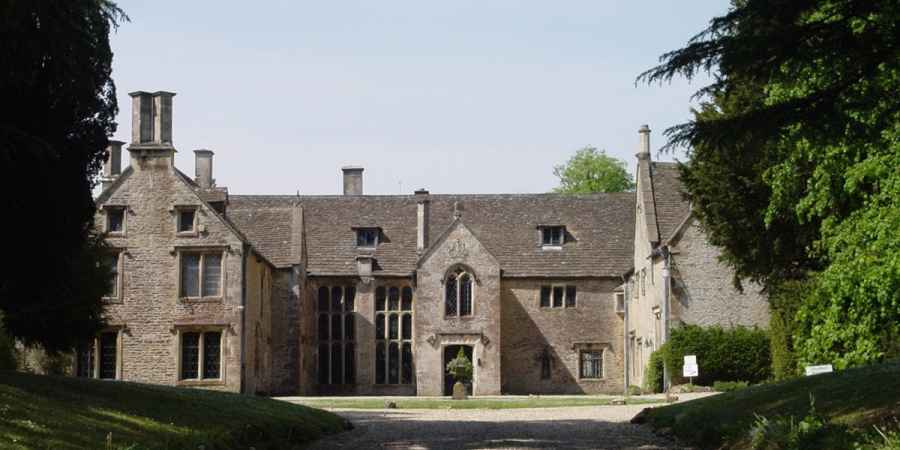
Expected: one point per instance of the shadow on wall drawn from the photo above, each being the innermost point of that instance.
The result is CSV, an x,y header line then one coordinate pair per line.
x,y
522,353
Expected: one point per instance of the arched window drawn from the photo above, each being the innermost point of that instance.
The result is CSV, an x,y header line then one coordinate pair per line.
x,y
458,293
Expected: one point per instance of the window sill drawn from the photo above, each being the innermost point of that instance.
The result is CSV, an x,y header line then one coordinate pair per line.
x,y
552,247
115,234
186,234
197,383
468,317
216,299
590,380
113,300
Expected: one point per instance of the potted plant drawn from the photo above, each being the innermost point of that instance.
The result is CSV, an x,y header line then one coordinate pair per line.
x,y
461,369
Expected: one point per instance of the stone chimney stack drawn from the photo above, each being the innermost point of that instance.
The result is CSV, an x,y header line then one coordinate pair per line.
x,y
151,130
203,168
353,180
112,167
151,118
644,151
422,201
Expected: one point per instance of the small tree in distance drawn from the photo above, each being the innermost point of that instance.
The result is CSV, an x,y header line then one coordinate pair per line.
x,y
591,170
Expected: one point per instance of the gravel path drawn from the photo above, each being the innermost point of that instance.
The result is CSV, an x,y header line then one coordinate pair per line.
x,y
586,427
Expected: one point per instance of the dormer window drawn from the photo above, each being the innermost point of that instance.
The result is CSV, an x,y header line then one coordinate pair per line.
x,y
115,220
187,220
553,236
367,237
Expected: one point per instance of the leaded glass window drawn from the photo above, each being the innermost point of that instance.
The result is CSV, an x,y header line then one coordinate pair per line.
x,y
393,335
337,332
591,364
458,293
201,355
201,274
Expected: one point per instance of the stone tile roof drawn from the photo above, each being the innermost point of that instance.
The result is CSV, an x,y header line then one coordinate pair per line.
x,y
601,225
672,208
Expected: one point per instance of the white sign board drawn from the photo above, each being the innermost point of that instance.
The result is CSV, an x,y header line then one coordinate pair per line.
x,y
815,370
690,368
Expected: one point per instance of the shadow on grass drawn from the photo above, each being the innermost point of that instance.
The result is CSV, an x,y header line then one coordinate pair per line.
x,y
62,412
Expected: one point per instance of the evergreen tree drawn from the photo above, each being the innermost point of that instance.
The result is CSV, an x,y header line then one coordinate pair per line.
x,y
59,107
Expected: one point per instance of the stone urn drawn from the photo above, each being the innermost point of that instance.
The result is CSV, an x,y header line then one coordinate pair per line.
x,y
459,391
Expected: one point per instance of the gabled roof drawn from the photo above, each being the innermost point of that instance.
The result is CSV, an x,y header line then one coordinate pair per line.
x,y
672,208
506,224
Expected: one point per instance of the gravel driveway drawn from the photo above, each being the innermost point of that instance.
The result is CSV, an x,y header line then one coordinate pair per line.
x,y
585,427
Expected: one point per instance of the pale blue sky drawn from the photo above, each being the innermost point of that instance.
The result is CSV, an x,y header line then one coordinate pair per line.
x,y
456,97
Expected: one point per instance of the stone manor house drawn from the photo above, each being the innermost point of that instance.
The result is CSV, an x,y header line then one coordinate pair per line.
x,y
373,294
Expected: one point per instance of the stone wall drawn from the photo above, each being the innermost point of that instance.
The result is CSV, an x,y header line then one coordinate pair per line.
x,y
703,289
433,331
529,330
149,312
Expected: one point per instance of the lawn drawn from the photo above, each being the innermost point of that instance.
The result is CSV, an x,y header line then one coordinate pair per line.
x,y
38,412
857,398
471,403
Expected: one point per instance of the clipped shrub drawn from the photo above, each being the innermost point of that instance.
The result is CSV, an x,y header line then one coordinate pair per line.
x,y
635,390
733,354
728,386
653,378
784,302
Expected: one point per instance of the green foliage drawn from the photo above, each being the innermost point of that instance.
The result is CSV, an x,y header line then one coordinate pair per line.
x,y
653,377
59,108
784,302
812,432
805,99
635,390
729,386
590,171
732,354
460,367
7,351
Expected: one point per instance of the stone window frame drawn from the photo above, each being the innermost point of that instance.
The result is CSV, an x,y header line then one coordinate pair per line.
x,y
202,330
106,213
346,340
195,225
95,350
545,359
619,299
591,347
564,301
202,250
120,276
457,271
547,230
376,234
401,342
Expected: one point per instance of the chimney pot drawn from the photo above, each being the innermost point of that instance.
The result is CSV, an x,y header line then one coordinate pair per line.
x,y
353,180
203,168
112,167
151,118
644,151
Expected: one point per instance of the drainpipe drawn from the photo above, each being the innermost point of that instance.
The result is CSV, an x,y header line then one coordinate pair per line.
x,y
242,308
625,343
664,309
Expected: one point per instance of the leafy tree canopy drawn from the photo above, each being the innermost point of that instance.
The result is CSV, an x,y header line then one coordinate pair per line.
x,y
794,157
590,170
59,106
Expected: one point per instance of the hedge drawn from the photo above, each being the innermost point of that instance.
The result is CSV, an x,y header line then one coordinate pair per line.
x,y
784,302
653,378
734,354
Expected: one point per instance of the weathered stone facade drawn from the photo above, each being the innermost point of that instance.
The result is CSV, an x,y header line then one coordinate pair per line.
x,y
677,277
372,295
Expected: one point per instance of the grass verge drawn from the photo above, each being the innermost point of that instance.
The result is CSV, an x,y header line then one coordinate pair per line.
x,y
472,403
855,398
38,412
